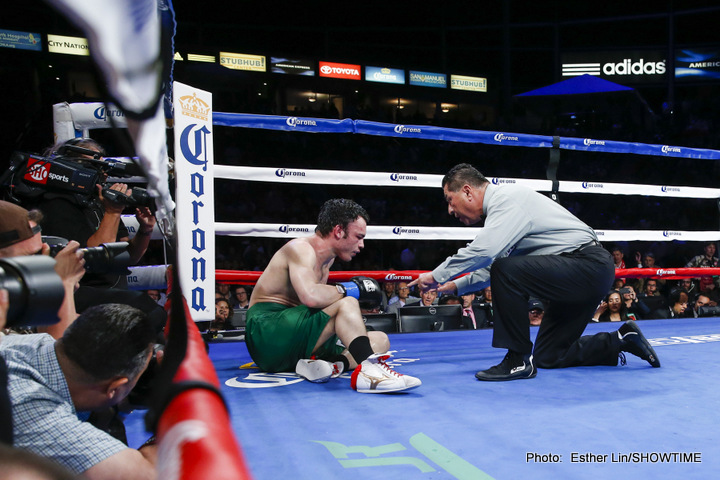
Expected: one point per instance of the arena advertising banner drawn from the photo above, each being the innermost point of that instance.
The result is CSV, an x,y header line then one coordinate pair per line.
x,y
194,196
242,61
340,70
290,66
428,79
385,75
632,66
470,84
20,40
697,64
67,45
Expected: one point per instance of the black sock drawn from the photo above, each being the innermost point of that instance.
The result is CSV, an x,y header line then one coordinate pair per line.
x,y
343,359
360,349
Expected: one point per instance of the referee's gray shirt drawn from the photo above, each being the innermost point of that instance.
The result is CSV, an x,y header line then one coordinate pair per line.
x,y
519,221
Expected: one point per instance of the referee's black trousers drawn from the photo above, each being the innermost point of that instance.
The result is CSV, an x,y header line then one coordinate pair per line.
x,y
572,284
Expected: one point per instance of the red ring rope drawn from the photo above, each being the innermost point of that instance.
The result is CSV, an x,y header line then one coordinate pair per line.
x,y
245,277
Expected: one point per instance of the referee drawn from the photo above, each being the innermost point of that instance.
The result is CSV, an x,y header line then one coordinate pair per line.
x,y
536,249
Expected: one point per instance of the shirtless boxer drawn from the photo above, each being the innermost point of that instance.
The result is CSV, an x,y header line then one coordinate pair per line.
x,y
295,315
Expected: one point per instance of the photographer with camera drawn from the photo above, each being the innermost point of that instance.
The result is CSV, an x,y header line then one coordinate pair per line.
x,y
20,236
54,384
93,218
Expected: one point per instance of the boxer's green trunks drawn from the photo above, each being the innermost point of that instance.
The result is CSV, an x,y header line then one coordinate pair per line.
x,y
278,336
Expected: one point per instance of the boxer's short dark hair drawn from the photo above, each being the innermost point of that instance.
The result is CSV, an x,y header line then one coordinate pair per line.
x,y
339,211
461,174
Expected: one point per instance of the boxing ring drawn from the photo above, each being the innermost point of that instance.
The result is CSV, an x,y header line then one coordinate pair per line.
x,y
570,423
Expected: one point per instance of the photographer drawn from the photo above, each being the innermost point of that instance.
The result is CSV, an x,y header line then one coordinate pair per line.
x,y
20,236
94,219
54,383
6,428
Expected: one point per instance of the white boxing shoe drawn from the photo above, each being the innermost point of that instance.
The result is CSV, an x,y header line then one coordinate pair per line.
x,y
375,376
318,371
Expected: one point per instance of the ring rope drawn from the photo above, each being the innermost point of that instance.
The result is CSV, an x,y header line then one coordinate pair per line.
x,y
375,232
245,277
394,179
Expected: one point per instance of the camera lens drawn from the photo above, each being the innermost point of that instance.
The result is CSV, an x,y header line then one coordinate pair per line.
x,y
35,290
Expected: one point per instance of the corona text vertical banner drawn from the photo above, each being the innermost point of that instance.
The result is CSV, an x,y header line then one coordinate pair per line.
x,y
194,194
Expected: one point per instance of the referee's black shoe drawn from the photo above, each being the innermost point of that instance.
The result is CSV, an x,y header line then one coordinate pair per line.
x,y
515,366
633,341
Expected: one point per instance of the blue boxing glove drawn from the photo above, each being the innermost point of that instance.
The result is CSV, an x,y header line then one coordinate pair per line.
x,y
365,289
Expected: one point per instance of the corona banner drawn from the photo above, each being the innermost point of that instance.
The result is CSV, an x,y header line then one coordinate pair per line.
x,y
195,211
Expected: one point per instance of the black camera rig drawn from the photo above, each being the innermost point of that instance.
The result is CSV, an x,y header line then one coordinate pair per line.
x,y
31,176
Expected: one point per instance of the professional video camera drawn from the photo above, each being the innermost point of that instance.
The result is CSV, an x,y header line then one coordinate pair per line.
x,y
105,258
36,291
30,176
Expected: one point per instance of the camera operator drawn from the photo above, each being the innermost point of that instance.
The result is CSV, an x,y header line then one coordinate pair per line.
x,y
54,384
92,220
20,236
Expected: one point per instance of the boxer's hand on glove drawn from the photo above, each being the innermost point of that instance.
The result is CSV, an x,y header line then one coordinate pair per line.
x,y
366,290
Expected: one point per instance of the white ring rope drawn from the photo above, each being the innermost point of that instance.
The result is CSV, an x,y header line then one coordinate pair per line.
x,y
390,179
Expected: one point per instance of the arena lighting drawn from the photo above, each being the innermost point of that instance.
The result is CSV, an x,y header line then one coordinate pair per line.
x,y
400,106
445,107
313,98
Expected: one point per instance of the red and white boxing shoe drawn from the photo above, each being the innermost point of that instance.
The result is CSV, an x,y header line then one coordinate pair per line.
x,y
318,371
375,376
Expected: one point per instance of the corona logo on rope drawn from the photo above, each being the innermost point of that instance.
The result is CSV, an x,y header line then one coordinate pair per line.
x,y
396,177
295,122
590,141
501,137
282,173
403,129
669,149
194,107
500,181
588,185
289,229
102,113
668,233
665,188
660,272
401,230
392,276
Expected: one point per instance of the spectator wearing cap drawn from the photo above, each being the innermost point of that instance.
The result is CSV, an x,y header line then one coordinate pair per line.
x,y
20,235
536,311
